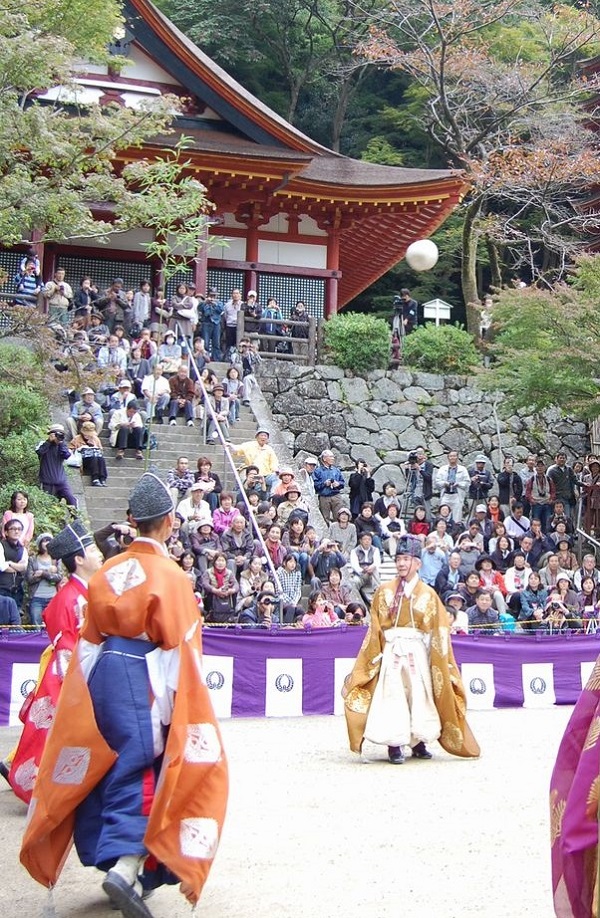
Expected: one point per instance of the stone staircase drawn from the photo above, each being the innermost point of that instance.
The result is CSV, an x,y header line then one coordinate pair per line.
x,y
106,505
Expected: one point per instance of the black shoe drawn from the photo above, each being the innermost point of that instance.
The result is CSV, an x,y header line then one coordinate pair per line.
x,y
158,420
395,755
420,751
124,896
4,770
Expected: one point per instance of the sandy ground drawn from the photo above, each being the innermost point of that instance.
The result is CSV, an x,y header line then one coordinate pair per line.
x,y
313,831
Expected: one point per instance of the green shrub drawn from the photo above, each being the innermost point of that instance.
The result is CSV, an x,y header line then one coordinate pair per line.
x,y
440,349
358,342
21,409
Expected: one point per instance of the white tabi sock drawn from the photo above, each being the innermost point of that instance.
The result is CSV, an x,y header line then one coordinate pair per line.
x,y
128,867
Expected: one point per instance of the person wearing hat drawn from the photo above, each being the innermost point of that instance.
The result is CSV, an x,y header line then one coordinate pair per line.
x,y
52,454
89,445
389,697
76,549
343,532
87,404
260,453
305,474
455,607
127,430
121,398
220,406
329,483
146,781
211,313
252,312
292,502
182,397
481,481
194,510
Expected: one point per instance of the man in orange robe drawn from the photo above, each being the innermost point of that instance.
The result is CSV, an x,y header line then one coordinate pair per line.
x,y
405,688
134,768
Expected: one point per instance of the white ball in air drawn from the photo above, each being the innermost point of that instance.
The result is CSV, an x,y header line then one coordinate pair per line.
x,y
422,255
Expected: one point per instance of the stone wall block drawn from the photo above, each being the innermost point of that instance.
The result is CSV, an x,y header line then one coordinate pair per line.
x,y
389,472
340,444
313,443
334,392
329,372
358,435
409,409
403,378
356,391
384,440
361,451
363,418
461,439
398,424
387,390
430,381
379,409
312,388
419,395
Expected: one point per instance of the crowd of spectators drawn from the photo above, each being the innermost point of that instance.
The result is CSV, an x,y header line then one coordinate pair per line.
x,y
497,548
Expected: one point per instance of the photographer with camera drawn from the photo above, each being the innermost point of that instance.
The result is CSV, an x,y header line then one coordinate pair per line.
x,y
452,481
52,453
405,313
361,486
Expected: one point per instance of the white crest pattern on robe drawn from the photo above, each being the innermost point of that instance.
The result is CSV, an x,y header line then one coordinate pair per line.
x,y
41,713
198,837
202,744
26,774
71,765
125,576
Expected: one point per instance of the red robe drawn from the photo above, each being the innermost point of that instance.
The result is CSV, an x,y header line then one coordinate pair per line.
x,y
139,592
62,617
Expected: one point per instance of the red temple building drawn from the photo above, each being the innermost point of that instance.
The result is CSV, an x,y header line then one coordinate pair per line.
x,y
298,220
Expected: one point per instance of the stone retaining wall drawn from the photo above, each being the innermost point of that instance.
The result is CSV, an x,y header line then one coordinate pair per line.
x,y
382,417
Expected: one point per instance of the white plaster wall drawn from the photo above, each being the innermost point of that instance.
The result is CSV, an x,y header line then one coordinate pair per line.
x,y
292,253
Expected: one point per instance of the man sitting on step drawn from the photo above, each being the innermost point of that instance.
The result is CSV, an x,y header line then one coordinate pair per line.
x,y
182,397
180,480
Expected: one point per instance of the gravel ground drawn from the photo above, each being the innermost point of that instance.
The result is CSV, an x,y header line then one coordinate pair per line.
x,y
313,831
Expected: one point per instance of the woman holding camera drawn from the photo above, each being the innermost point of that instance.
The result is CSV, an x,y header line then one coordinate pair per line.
x,y
361,486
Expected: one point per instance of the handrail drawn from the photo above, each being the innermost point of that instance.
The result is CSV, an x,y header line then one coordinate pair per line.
x,y
252,519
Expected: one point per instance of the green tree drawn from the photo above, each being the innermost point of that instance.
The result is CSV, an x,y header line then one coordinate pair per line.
x,y
300,50
496,88
544,345
57,157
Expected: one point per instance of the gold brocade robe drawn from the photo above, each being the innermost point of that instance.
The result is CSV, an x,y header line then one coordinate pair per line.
x,y
429,616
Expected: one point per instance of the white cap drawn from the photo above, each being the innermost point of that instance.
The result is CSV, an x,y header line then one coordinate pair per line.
x,y
251,293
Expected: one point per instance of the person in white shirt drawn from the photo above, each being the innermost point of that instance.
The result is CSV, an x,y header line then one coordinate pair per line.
x,y
452,481
127,430
517,524
194,510
516,579
232,308
157,393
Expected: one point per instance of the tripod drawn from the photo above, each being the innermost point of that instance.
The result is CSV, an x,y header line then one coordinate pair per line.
x,y
408,498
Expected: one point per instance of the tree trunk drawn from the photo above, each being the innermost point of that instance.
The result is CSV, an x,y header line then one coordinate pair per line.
x,y
470,238
495,265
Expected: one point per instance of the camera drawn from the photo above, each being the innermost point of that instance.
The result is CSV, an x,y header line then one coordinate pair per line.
x,y
413,459
397,303
556,606
58,435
